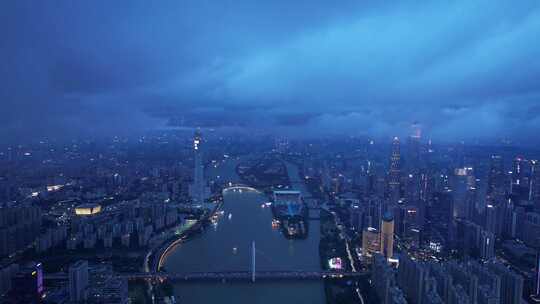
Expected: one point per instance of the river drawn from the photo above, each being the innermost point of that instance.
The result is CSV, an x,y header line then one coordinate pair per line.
x,y
214,250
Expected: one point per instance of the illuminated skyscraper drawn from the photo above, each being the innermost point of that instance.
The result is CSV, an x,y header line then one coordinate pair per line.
x,y
395,172
198,190
387,235
519,186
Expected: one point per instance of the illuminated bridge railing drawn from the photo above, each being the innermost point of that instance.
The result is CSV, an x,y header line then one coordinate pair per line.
x,y
244,275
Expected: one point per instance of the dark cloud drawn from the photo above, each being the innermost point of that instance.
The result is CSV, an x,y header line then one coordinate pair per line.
x,y
463,69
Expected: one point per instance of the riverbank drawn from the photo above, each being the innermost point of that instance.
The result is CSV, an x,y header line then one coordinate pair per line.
x,y
337,291
166,247
153,260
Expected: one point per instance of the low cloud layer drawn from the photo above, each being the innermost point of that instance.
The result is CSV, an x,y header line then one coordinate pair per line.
x,y
463,69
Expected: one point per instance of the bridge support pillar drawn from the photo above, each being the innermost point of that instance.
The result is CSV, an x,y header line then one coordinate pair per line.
x,y
253,262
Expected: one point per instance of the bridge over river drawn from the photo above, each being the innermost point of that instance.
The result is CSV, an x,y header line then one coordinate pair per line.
x,y
251,275
244,275
229,275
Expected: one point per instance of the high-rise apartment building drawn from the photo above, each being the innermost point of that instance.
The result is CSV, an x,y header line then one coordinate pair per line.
x,y
78,281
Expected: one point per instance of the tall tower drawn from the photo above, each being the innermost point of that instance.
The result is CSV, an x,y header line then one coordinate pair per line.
x,y
395,172
387,235
414,146
534,184
520,178
197,190
496,177
197,141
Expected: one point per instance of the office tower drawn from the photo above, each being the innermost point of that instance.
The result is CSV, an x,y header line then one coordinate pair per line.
x,y
496,177
517,171
394,185
441,213
357,218
399,220
413,188
463,192
387,235
78,281
425,186
519,186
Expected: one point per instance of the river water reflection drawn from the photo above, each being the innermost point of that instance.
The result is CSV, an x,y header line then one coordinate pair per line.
x,y
227,246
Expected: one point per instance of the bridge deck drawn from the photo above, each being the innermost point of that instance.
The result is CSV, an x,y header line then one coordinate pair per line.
x,y
229,275
245,275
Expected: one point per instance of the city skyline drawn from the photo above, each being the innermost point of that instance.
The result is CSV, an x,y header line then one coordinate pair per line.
x,y
264,152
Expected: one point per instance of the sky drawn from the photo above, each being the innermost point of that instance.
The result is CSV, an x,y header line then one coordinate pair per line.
x,y
463,69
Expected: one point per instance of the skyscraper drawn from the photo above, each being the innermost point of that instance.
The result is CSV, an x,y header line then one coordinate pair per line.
x,y
414,147
464,192
519,187
78,281
496,176
387,235
198,190
534,184
395,172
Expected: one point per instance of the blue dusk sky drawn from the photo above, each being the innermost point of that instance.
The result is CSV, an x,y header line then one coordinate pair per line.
x,y
463,69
